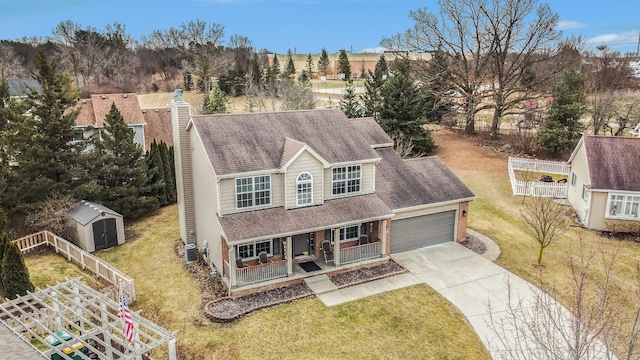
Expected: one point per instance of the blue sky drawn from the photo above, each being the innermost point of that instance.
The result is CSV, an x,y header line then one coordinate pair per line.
x,y
300,25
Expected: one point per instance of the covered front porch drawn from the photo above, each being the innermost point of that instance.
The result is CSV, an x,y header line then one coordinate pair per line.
x,y
270,261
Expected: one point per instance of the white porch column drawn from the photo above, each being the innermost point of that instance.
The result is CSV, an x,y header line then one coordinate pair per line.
x,y
383,238
232,266
336,246
289,252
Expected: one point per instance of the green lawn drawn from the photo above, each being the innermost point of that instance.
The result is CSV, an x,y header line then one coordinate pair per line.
x,y
414,322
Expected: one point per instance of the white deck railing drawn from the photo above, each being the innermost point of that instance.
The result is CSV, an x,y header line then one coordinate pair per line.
x,y
539,166
88,261
360,253
258,273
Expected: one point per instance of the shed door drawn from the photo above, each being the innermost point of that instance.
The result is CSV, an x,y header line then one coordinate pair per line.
x,y
421,231
105,234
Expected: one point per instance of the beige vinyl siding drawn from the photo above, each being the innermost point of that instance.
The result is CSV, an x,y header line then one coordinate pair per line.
x,y
413,212
366,183
598,210
574,194
206,203
228,195
180,116
305,162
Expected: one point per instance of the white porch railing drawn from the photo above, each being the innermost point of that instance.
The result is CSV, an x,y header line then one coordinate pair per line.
x,y
258,273
83,258
539,166
360,253
538,188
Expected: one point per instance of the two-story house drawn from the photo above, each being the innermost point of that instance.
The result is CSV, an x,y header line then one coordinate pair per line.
x,y
262,194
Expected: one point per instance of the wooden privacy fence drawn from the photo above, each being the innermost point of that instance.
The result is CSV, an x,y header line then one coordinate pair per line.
x,y
88,262
534,187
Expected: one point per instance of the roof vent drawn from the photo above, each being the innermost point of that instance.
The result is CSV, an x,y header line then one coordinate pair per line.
x,y
104,96
125,96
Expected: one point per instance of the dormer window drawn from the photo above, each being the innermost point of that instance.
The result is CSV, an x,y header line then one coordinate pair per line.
x,y
346,179
253,191
304,186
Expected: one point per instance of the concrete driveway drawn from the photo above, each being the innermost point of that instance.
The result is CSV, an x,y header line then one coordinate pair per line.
x,y
472,283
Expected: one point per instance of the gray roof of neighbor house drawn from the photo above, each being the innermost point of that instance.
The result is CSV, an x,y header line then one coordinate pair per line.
x,y
613,162
22,87
278,222
84,211
237,143
420,181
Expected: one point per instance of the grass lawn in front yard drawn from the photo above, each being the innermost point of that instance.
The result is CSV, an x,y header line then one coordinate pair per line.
x,y
414,322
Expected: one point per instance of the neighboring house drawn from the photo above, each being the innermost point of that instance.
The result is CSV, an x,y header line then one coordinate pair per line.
x,y
96,226
604,182
147,124
290,184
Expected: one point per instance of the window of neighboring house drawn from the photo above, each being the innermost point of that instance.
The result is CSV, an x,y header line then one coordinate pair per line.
x,y
78,134
346,179
574,179
253,191
304,185
251,250
585,193
624,206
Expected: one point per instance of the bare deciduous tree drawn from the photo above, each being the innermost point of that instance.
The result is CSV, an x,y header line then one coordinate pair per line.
x,y
592,325
53,215
545,221
10,64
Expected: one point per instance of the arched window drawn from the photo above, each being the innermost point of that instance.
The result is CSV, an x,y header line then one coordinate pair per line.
x,y
304,185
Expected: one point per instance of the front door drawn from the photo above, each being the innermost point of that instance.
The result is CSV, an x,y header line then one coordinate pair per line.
x,y
302,245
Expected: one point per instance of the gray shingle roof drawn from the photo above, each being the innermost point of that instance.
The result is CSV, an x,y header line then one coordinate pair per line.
x,y
374,134
613,162
416,182
22,87
237,143
84,211
278,222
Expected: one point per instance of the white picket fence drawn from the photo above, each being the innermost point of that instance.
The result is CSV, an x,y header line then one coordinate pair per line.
x,y
88,261
538,188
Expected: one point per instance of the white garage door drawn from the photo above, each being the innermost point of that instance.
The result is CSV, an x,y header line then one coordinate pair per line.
x,y
421,231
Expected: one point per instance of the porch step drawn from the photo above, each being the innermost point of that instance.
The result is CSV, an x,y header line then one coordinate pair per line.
x,y
320,284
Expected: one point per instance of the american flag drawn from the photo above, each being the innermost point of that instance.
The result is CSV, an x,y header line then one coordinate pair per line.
x,y
123,313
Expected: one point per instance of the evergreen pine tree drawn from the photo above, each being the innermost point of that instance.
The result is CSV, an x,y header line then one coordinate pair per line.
x,y
122,179
363,70
46,157
562,127
373,88
4,242
323,62
256,70
217,103
156,173
187,80
11,115
166,154
350,104
344,66
15,275
290,68
402,114
309,67
275,66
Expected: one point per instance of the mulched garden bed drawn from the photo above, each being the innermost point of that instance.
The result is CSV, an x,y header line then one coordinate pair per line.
x,y
474,244
229,309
